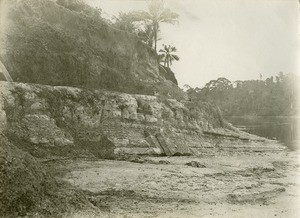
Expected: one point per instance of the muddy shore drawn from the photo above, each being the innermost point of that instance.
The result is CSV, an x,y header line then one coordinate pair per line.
x,y
225,185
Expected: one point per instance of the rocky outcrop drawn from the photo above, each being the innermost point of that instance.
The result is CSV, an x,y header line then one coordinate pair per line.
x,y
46,120
43,42
168,74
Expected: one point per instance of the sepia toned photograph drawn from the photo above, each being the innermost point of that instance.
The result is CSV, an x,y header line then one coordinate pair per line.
x,y
149,108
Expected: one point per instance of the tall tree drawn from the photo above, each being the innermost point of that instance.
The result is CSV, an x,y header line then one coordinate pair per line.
x,y
156,14
133,22
159,14
126,22
167,55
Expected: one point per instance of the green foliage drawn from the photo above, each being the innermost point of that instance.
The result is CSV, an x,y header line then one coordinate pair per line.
x,y
167,55
157,13
146,24
127,22
252,97
81,7
58,43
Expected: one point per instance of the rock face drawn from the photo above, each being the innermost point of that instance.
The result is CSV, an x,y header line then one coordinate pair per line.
x,y
46,43
43,42
49,121
168,74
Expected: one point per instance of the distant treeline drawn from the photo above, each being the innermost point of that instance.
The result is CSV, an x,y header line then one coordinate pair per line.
x,y
275,96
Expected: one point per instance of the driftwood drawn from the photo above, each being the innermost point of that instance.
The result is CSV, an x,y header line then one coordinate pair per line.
x,y
5,73
226,135
161,140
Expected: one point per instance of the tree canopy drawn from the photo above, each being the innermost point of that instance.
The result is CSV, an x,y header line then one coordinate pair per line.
x,y
167,55
270,97
146,24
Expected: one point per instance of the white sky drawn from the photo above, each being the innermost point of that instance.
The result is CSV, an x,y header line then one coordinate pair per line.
x,y
236,39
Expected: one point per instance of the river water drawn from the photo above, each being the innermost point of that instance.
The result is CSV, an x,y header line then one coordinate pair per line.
x,y
283,129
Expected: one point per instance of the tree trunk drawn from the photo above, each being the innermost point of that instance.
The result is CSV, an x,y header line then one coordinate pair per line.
x,y
155,41
155,35
168,63
5,73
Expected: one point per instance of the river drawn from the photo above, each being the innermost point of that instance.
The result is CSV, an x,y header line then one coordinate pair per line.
x,y
283,129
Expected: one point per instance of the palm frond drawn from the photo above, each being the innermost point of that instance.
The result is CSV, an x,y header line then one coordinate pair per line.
x,y
166,48
168,16
139,16
175,57
167,56
173,49
156,7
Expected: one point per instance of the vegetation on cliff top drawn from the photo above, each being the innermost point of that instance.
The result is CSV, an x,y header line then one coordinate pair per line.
x,y
146,24
167,55
68,43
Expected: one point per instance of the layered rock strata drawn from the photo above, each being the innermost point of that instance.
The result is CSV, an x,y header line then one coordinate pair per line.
x,y
47,120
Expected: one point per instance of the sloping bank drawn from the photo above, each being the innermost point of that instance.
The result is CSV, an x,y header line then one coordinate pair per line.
x,y
66,121
46,43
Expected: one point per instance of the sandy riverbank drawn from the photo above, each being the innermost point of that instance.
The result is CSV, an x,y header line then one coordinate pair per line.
x,y
232,185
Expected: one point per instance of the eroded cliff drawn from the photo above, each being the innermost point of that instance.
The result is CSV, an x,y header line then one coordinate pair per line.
x,y
46,43
73,58
62,121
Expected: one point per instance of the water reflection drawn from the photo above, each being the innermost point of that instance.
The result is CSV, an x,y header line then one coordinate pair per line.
x,y
284,129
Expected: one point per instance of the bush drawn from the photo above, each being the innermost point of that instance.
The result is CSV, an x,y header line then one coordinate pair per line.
x,y
22,180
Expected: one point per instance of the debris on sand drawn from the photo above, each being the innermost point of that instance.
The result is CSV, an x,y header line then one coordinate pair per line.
x,y
250,197
149,161
137,160
195,164
163,162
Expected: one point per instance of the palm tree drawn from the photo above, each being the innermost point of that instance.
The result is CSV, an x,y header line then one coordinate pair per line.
x,y
167,56
147,24
146,35
157,14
